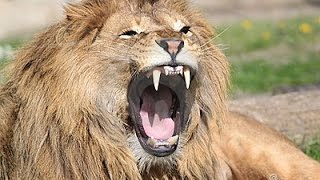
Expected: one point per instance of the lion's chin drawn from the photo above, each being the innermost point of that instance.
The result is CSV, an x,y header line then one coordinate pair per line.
x,y
147,161
158,109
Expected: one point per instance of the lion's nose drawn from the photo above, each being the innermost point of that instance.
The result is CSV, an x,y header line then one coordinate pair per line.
x,y
172,46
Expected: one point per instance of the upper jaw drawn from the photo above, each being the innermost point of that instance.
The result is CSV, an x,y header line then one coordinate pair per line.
x,y
168,70
166,84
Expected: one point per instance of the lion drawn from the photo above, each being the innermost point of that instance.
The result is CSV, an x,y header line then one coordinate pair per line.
x,y
133,89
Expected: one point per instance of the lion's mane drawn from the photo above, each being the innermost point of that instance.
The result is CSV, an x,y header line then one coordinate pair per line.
x,y
63,113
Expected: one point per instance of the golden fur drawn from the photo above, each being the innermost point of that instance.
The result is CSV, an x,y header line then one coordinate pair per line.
x,y
64,107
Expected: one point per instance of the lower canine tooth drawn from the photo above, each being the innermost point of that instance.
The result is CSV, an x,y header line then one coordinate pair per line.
x,y
173,140
187,77
156,78
151,142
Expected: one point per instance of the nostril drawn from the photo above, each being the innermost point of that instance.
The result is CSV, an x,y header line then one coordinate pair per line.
x,y
181,45
164,44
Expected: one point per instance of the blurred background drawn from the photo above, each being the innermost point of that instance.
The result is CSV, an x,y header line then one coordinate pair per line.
x,y
273,46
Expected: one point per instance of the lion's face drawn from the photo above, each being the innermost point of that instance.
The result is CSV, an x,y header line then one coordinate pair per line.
x,y
165,50
167,53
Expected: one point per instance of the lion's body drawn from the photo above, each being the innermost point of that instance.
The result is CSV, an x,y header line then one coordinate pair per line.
x,y
64,108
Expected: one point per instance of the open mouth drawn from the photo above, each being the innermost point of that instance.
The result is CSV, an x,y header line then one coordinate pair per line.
x,y
158,109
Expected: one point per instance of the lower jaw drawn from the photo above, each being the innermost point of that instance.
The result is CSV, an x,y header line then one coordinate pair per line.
x,y
147,162
145,156
159,148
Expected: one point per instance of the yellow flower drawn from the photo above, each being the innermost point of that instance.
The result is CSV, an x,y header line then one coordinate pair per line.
x,y
305,28
266,35
247,24
318,20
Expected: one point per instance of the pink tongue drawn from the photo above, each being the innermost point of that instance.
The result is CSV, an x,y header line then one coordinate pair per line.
x,y
156,120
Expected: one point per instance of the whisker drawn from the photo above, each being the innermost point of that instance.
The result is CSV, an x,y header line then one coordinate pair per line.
x,y
215,37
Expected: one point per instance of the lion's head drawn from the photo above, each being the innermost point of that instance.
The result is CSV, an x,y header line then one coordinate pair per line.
x,y
139,75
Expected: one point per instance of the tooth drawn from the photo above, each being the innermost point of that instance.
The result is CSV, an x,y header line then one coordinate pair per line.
x,y
179,68
173,140
166,71
187,77
152,142
156,78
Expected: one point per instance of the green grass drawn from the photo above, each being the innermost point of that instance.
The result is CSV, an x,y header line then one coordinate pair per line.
x,y
266,34
266,55
259,76
13,44
313,149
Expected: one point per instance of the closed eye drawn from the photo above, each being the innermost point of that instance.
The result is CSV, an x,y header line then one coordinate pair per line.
x,y
129,33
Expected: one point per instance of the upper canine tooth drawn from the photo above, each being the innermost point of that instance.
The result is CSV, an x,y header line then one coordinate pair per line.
x,y
187,77
156,78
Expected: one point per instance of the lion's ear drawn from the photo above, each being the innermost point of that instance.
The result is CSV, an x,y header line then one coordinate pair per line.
x,y
88,16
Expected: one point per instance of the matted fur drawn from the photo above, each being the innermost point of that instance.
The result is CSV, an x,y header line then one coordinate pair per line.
x,y
64,109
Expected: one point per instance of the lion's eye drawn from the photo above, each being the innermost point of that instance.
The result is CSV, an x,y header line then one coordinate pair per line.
x,y
128,34
185,29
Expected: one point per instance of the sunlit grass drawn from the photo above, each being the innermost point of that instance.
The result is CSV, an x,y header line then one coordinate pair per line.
x,y
266,55
249,36
7,49
313,149
258,76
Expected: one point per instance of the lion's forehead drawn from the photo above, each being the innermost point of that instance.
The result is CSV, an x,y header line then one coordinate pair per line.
x,y
147,21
